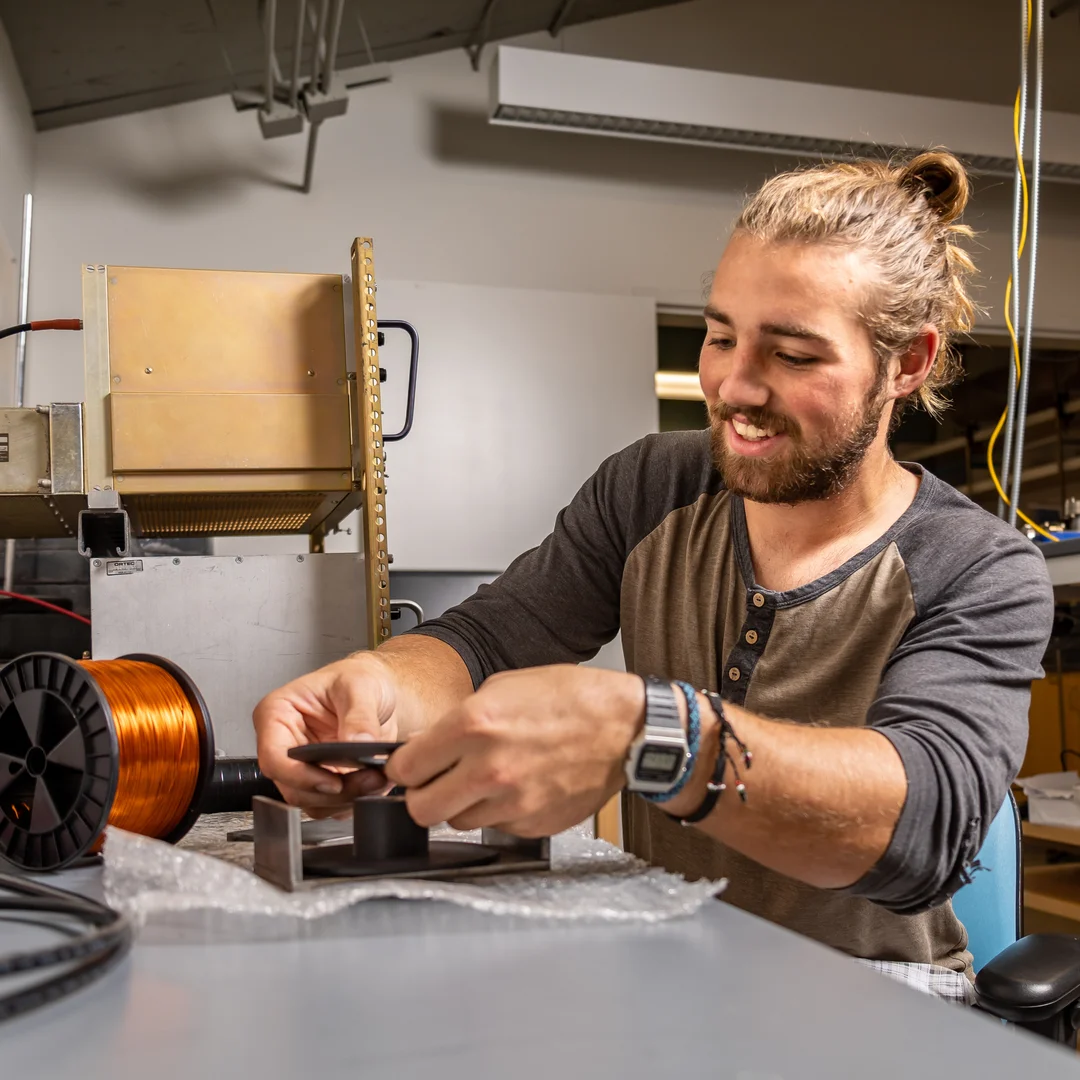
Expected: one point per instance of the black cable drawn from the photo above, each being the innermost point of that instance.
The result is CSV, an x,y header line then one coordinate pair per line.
x,y
22,328
91,953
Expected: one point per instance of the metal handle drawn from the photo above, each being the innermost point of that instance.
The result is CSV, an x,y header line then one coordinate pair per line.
x,y
412,606
414,359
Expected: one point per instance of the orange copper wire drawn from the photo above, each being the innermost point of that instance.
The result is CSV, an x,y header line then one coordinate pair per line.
x,y
157,730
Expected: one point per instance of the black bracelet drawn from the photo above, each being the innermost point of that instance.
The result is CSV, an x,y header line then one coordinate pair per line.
x,y
716,785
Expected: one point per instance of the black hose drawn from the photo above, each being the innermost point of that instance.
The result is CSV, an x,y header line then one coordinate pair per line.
x,y
90,953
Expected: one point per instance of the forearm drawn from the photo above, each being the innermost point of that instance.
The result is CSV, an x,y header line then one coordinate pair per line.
x,y
821,805
430,676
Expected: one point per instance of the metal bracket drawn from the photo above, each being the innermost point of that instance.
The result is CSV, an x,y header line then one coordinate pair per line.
x,y
104,531
279,855
480,35
277,843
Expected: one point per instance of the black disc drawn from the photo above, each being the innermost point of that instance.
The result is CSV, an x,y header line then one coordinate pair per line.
x,y
206,739
372,754
58,761
338,860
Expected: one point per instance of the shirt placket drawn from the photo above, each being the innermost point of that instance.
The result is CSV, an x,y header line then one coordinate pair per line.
x,y
753,637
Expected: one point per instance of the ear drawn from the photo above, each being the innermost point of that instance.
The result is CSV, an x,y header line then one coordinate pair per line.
x,y
914,365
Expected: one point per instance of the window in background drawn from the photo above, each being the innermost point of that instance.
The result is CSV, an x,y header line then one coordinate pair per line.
x,y
678,342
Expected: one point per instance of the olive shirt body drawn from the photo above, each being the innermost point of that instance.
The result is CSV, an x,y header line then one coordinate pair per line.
x,y
930,635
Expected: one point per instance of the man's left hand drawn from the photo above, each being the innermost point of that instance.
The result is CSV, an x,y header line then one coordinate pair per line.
x,y
532,752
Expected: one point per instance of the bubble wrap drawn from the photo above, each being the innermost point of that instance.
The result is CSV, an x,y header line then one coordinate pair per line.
x,y
589,880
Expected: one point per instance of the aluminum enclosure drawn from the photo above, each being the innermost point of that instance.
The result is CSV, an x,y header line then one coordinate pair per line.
x,y
238,626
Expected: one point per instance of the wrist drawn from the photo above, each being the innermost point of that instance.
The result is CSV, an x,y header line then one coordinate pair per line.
x,y
694,789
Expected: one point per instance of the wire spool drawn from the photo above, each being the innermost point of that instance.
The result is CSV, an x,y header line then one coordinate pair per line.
x,y
87,744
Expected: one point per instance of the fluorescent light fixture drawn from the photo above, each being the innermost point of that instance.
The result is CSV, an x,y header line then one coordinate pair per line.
x,y
534,88
678,386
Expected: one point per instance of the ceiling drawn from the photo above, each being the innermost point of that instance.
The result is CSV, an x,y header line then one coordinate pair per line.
x,y
86,59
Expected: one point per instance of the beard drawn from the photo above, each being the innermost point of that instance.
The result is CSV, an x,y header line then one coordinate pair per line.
x,y
804,471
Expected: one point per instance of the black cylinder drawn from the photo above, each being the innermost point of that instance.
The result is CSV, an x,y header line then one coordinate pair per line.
x,y
382,829
233,783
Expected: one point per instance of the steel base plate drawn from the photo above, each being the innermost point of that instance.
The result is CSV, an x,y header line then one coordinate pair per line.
x,y
338,860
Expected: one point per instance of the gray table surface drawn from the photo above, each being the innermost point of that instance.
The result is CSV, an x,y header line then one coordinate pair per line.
x,y
415,989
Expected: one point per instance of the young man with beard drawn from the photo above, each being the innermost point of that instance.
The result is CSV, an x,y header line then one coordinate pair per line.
x,y
872,635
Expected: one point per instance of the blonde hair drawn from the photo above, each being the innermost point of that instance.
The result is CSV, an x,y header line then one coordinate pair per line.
x,y
903,216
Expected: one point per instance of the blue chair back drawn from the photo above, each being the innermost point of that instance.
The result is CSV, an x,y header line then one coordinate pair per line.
x,y
990,907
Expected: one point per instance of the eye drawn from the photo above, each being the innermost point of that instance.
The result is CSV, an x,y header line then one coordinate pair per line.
x,y
720,342
797,361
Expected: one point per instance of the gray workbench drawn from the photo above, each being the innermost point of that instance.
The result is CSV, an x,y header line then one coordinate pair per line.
x,y
413,989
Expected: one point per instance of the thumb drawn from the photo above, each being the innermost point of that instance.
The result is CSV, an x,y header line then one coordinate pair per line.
x,y
362,703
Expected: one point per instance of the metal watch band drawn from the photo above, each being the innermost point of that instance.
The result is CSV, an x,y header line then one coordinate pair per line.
x,y
661,704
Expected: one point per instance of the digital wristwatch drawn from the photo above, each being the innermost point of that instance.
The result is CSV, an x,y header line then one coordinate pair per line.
x,y
659,755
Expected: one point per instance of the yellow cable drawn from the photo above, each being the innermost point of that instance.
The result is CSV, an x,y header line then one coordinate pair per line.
x,y
1008,301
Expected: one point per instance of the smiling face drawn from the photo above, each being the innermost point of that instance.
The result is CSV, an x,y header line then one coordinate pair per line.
x,y
796,395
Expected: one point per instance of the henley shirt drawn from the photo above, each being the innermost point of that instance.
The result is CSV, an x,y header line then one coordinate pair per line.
x,y
931,635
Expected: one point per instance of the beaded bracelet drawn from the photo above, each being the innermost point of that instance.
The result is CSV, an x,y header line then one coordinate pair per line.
x,y
693,742
716,786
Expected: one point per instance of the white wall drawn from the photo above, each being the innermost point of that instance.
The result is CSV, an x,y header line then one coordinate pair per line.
x,y
521,394
448,197
16,180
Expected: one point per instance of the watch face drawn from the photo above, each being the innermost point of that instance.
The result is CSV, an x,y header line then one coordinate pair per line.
x,y
660,764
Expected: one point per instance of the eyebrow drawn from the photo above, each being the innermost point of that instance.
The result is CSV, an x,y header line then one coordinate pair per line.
x,y
788,330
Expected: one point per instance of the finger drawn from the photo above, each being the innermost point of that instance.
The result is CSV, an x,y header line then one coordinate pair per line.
x,y
312,801
275,742
486,814
364,782
428,754
362,705
447,797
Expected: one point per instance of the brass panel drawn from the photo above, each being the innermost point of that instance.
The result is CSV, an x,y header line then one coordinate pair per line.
x,y
223,432
96,368
187,483
24,452
373,479
225,331
23,517
228,514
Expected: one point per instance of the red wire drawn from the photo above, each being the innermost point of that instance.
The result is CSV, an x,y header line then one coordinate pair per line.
x,y
45,604
56,324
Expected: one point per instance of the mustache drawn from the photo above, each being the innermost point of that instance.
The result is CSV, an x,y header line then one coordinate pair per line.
x,y
755,415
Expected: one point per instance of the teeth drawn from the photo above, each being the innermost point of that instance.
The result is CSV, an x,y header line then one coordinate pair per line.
x,y
748,431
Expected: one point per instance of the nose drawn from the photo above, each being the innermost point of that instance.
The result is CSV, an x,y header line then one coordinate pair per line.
x,y
734,376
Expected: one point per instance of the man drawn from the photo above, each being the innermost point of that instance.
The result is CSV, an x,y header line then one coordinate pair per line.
x,y
873,634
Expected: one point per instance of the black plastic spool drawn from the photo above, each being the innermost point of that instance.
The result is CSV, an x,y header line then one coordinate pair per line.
x,y
58,750
387,842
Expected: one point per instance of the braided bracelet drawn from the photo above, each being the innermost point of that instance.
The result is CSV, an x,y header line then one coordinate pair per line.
x,y
693,744
716,786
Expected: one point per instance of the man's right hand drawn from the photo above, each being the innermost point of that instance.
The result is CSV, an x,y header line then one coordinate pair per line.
x,y
353,700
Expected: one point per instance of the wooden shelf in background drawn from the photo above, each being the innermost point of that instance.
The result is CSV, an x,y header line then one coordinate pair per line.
x,y
1052,834
1054,890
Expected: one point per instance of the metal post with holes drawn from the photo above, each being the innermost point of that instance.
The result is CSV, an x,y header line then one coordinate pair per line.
x,y
372,452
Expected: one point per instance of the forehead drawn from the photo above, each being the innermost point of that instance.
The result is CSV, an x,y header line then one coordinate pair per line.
x,y
815,284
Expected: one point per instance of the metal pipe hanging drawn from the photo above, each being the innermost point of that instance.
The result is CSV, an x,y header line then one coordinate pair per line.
x,y
298,48
317,45
270,23
330,56
20,354
1017,224
1025,373
24,300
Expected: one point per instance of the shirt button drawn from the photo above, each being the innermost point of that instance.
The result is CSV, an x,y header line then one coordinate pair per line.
x,y
734,674
759,600
751,637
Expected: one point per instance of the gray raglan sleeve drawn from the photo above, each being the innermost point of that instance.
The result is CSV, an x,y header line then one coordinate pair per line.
x,y
559,602
954,702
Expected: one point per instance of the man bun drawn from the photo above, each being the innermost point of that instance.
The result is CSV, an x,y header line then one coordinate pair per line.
x,y
941,179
